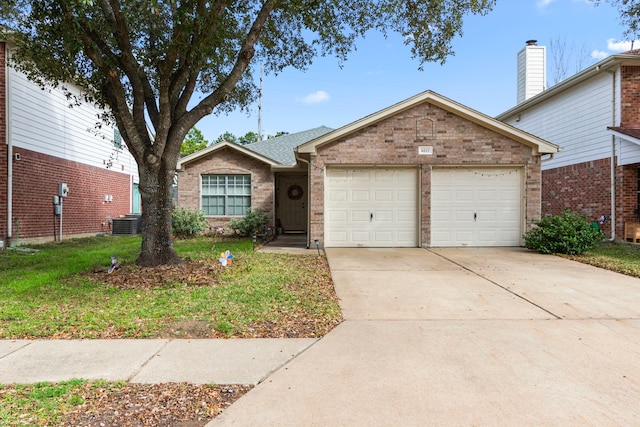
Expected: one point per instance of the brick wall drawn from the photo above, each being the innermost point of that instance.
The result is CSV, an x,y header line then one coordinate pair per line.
x,y
630,92
395,141
583,187
35,181
227,161
3,145
626,197
586,188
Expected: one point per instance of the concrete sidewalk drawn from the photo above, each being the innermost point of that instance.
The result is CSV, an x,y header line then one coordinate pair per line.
x,y
220,361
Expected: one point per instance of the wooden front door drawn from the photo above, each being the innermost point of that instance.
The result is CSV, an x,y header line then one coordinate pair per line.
x,y
292,203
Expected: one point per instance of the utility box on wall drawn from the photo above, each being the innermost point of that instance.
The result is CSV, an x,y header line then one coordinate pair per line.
x,y
63,189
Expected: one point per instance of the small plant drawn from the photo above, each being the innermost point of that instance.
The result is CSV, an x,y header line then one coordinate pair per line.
x,y
188,222
252,223
569,233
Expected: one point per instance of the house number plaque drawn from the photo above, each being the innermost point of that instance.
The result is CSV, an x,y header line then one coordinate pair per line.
x,y
425,150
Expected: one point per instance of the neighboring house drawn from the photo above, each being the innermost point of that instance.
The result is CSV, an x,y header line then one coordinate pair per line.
x,y
424,172
44,143
594,117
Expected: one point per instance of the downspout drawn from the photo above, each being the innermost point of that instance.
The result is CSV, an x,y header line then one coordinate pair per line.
x,y
7,97
613,158
308,195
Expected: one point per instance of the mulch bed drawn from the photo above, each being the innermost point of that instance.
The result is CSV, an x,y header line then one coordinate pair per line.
x,y
175,405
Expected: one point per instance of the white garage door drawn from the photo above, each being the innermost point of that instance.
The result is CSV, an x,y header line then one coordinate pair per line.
x,y
476,207
371,207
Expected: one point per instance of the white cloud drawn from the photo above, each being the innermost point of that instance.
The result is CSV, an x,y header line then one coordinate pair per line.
x,y
598,54
619,46
316,97
544,3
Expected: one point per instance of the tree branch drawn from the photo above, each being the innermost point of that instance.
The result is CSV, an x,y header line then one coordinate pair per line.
x,y
245,55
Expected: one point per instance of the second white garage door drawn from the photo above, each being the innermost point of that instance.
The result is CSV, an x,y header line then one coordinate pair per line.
x,y
371,207
476,207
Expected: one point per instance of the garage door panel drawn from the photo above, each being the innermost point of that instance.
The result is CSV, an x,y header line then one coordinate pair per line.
x,y
337,216
361,236
381,206
461,196
337,236
383,196
386,216
360,216
384,236
480,207
337,196
360,196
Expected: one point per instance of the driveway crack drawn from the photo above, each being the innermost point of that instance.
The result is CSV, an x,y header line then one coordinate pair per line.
x,y
498,285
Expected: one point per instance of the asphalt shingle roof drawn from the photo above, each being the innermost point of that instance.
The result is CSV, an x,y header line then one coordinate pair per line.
x,y
281,148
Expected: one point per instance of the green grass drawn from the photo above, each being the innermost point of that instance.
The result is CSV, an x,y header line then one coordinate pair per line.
x,y
46,294
38,404
620,257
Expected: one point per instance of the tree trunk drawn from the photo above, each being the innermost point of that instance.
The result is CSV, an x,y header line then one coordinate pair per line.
x,y
156,192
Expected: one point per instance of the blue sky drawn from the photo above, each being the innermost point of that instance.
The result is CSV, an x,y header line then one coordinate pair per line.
x,y
481,75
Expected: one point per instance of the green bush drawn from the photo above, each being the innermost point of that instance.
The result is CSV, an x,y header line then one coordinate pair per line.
x,y
187,222
569,233
252,223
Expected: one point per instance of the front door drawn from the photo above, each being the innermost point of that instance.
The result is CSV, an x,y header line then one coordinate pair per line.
x,y
292,203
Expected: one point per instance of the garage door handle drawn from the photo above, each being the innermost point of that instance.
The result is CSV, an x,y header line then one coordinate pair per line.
x,y
371,217
475,216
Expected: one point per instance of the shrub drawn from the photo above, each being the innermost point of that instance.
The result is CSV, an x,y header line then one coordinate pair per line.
x,y
187,222
569,233
252,223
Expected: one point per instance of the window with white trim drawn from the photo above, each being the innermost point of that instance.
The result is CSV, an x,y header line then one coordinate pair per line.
x,y
228,195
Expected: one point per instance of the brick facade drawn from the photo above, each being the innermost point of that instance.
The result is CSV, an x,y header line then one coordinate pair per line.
x,y
630,94
227,161
35,181
626,197
585,188
395,140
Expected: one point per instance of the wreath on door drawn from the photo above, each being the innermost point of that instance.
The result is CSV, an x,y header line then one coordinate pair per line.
x,y
295,192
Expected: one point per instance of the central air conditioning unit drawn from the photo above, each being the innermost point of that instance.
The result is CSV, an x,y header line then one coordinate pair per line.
x,y
128,226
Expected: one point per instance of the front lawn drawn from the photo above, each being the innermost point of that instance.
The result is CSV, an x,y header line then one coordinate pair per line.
x,y
64,291
620,257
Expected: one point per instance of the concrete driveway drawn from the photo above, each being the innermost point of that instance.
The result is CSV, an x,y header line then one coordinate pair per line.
x,y
463,337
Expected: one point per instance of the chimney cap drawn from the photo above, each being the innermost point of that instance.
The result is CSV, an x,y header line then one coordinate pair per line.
x,y
532,42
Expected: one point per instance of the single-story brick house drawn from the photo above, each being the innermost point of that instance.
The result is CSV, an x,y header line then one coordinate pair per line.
x,y
424,172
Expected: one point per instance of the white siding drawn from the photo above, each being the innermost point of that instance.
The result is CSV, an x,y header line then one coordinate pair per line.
x,y
628,152
532,72
42,121
576,121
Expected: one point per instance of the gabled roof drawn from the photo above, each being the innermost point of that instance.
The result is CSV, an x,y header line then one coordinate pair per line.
x,y
274,152
631,57
281,148
542,146
219,146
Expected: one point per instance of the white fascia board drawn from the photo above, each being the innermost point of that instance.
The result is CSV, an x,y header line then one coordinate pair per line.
x,y
625,137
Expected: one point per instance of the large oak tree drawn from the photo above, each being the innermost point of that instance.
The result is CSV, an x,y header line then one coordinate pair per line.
x,y
162,65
